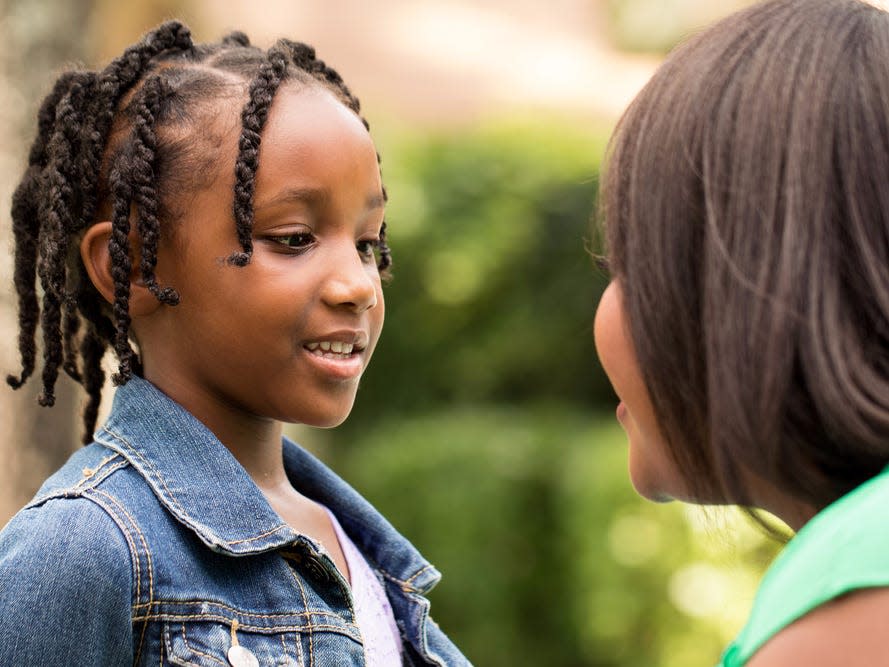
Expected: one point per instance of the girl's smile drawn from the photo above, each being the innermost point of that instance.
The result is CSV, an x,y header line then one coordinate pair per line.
x,y
339,354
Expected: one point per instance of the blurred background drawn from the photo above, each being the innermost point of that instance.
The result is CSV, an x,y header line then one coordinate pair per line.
x,y
484,427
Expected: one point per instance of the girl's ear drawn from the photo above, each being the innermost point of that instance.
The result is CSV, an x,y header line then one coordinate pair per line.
x,y
97,260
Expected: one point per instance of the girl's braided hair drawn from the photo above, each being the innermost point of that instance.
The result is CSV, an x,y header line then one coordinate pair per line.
x,y
114,145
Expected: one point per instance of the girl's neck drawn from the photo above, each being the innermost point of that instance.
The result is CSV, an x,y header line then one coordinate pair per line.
x,y
254,441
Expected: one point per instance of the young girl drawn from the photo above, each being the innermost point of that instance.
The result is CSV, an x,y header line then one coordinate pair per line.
x,y
213,213
746,329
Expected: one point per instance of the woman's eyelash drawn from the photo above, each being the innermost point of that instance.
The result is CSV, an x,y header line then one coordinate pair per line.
x,y
601,262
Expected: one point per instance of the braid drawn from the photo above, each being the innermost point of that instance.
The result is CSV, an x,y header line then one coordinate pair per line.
x,y
320,69
92,349
385,261
118,248
25,223
253,118
112,84
236,38
144,185
69,340
56,223
24,213
304,57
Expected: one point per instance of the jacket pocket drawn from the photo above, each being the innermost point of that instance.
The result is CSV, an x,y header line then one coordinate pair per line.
x,y
210,644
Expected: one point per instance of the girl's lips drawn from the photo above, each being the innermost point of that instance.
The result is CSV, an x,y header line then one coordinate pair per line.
x,y
340,368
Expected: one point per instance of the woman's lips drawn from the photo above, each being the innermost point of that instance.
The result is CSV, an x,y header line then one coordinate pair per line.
x,y
621,412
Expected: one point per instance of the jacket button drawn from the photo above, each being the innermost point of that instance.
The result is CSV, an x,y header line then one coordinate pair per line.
x,y
239,656
316,568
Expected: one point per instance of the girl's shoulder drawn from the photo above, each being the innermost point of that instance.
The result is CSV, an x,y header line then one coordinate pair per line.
x,y
59,556
73,524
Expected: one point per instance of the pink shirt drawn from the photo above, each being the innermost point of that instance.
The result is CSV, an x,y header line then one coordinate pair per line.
x,y
373,613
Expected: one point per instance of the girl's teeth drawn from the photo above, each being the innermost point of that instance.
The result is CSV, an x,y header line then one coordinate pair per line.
x,y
331,350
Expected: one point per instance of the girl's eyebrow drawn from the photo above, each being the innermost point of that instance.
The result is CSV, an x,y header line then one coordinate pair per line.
x,y
314,197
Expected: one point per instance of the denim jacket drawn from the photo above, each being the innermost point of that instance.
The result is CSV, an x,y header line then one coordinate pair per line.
x,y
153,546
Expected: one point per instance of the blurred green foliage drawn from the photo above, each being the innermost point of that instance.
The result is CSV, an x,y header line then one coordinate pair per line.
x,y
494,291
656,26
483,427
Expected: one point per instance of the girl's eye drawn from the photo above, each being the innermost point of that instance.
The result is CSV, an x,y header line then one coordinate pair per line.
x,y
298,241
367,248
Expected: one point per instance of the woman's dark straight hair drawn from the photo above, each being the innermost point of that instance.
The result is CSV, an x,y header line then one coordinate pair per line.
x,y
746,204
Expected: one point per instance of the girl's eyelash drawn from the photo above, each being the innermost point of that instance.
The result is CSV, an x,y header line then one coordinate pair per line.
x,y
367,247
297,241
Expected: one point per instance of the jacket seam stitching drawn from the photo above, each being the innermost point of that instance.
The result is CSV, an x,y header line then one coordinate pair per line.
x,y
76,490
236,612
90,474
344,629
148,563
302,593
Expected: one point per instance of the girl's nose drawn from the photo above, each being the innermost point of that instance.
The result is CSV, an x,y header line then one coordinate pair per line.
x,y
351,282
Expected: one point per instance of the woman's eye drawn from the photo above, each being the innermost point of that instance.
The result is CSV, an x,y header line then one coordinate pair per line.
x,y
298,241
368,247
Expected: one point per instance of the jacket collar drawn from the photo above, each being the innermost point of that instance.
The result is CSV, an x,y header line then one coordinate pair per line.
x,y
203,486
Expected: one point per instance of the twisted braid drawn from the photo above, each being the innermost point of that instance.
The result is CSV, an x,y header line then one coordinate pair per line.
x,y
253,118
25,227
69,340
24,213
304,57
121,267
144,184
236,38
111,85
56,221
92,349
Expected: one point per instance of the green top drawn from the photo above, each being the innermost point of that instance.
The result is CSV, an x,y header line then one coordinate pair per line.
x,y
843,548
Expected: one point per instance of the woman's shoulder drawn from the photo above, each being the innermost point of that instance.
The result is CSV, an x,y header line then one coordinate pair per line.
x,y
848,631
839,557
